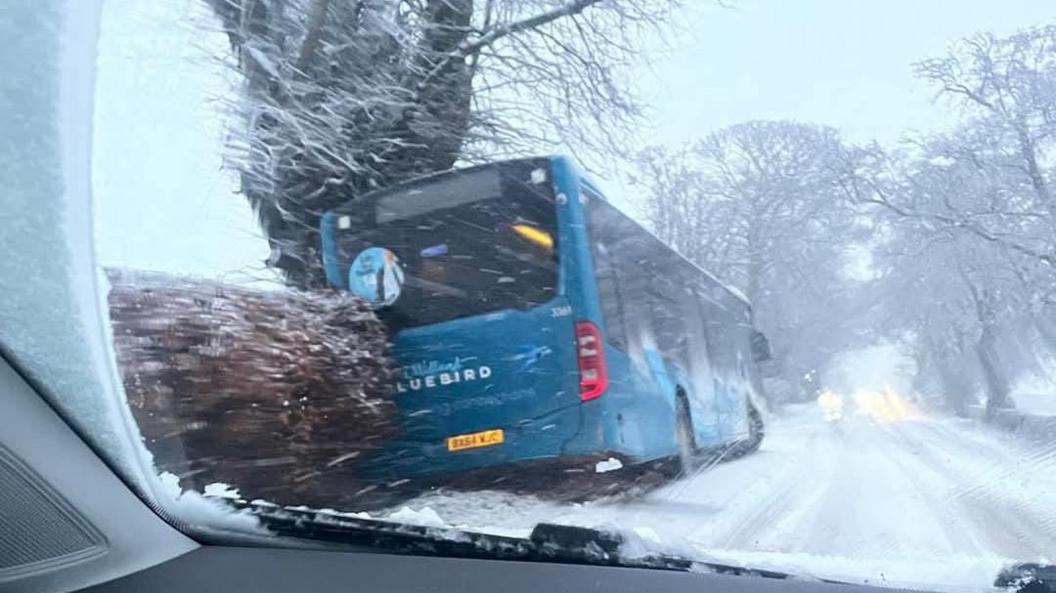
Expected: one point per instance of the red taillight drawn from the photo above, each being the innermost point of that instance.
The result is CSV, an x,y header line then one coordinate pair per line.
x,y
590,354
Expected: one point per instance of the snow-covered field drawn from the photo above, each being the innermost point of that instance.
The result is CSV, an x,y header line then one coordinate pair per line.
x,y
886,494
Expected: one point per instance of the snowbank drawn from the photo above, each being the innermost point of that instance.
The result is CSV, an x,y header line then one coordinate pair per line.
x,y
204,510
1036,393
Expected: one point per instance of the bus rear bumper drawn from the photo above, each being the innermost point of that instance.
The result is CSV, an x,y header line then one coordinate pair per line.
x,y
569,442
560,476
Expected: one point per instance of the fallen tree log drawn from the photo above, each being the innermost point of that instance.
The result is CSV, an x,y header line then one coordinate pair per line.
x,y
276,392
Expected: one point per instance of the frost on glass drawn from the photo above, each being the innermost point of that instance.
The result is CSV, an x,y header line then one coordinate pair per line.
x,y
49,323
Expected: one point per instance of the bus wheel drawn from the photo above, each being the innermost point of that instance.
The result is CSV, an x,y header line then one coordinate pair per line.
x,y
687,442
756,429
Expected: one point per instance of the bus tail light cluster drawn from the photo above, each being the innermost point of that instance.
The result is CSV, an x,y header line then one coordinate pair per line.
x,y
590,354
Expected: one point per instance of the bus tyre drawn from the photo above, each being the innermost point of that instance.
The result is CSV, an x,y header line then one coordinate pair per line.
x,y
687,442
756,430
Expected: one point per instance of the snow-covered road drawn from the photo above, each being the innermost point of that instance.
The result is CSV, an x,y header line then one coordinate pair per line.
x,y
885,493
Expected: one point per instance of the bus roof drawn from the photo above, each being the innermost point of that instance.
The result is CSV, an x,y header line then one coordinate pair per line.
x,y
350,204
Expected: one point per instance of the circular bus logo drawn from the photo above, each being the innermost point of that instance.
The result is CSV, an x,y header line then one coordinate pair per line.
x,y
376,276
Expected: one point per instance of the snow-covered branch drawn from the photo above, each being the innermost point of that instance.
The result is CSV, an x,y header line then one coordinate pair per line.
x,y
344,97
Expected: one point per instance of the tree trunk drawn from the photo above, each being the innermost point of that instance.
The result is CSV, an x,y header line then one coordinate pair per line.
x,y
947,358
1047,332
997,388
1029,152
419,129
956,385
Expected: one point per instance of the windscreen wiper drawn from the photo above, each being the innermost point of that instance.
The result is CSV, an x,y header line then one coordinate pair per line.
x,y
547,542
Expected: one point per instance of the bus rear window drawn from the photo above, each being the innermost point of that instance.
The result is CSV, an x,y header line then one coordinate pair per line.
x,y
466,244
449,191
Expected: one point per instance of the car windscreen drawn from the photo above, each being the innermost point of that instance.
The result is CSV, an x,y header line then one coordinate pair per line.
x,y
465,244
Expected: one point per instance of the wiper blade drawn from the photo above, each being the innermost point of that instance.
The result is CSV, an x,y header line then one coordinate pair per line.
x,y
586,540
375,534
568,543
1028,578
547,542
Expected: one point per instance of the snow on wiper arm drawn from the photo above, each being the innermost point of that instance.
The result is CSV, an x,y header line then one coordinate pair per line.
x,y
614,548
1028,578
547,542
312,525
584,545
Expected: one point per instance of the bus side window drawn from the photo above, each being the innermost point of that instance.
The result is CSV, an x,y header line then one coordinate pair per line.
x,y
722,349
700,349
609,294
672,336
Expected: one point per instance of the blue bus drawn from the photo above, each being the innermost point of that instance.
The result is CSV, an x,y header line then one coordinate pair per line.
x,y
533,321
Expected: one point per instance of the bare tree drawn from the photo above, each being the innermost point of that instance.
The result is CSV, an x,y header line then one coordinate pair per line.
x,y
944,296
343,96
762,205
970,255
1011,80
960,274
1007,87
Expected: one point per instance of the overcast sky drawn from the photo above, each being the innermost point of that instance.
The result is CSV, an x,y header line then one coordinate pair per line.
x,y
844,63
162,200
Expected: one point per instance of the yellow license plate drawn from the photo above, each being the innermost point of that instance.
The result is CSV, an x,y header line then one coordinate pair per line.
x,y
486,438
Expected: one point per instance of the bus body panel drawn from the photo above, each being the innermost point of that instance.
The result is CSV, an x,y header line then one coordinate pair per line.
x,y
706,375
644,407
577,273
521,379
636,411
732,366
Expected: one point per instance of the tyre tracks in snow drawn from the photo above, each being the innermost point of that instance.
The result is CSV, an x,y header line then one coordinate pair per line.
x,y
928,487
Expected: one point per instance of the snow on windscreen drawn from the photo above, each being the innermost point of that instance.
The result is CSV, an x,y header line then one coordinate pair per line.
x,y
818,338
